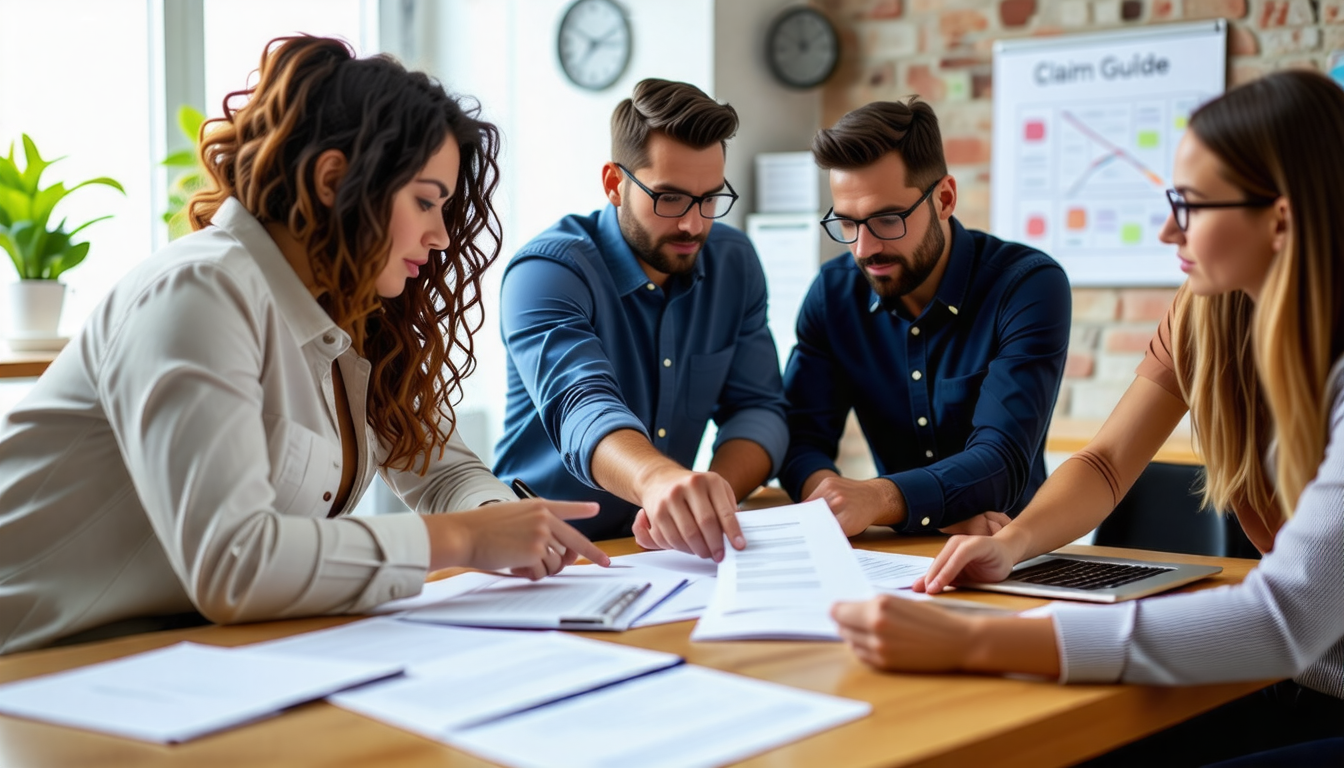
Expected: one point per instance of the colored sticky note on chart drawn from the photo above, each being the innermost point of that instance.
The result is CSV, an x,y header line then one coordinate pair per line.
x,y
1149,139
1035,130
1077,219
1035,226
1131,234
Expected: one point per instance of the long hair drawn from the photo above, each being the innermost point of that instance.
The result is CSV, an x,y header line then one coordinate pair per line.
x,y
1253,371
313,95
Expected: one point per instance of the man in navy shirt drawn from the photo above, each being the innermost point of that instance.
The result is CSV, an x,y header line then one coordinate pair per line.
x,y
628,329
947,343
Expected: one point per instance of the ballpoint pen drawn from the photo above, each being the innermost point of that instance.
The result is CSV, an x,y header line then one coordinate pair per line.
x,y
520,488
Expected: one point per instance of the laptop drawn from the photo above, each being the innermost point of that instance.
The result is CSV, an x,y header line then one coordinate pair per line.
x,y
1094,579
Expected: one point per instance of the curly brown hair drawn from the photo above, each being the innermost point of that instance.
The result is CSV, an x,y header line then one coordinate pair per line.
x,y
313,95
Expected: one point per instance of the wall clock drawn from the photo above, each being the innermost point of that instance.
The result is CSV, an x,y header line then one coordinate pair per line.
x,y
593,43
802,48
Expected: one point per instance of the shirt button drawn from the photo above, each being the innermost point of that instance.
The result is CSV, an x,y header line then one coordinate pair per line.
x,y
650,286
667,362
921,421
928,454
914,331
953,310
916,375
328,339
326,496
662,433
924,522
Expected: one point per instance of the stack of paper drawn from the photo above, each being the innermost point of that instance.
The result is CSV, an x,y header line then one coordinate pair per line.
x,y
796,565
182,691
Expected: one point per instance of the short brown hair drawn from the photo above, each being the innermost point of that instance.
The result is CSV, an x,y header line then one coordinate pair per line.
x,y
863,136
679,110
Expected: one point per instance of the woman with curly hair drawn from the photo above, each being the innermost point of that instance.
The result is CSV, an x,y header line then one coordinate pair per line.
x,y
199,445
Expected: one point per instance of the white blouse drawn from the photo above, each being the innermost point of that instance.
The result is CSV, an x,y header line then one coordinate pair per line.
x,y
182,453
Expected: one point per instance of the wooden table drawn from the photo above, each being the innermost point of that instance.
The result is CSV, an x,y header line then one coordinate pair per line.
x,y
917,720
22,365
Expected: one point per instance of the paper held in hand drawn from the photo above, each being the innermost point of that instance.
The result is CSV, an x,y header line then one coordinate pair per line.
x,y
796,565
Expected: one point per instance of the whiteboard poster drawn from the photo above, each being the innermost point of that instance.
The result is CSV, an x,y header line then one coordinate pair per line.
x,y
1085,133
789,245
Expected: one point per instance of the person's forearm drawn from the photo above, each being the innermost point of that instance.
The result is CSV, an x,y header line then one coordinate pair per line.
x,y
743,463
1010,644
1071,502
624,461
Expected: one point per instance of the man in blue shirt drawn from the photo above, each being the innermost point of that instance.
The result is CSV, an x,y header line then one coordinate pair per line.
x,y
947,343
628,329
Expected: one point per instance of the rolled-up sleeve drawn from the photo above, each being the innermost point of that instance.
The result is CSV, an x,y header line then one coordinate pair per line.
x,y
1011,414
561,360
183,395
751,405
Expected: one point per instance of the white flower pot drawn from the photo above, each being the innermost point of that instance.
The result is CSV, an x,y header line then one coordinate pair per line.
x,y
35,313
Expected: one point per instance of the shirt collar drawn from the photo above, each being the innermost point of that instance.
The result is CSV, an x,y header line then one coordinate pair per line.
x,y
624,266
304,316
956,279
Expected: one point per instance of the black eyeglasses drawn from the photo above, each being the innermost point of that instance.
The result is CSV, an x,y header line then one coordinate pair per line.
x,y
884,226
674,205
1181,208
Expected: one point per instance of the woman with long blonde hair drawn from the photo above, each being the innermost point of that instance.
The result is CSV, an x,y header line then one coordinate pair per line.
x,y
198,447
1253,348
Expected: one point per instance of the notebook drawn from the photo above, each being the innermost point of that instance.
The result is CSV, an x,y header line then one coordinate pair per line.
x,y
1095,579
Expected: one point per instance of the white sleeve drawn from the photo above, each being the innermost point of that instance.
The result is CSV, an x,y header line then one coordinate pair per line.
x,y
456,481
182,390
1286,618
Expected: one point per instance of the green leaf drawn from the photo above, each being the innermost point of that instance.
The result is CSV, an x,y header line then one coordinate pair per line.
x,y
45,201
29,239
105,181
9,172
32,172
72,257
17,204
189,119
12,248
87,223
182,158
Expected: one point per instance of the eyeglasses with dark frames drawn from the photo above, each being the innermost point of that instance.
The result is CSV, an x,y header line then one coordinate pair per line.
x,y
1181,208
674,205
884,226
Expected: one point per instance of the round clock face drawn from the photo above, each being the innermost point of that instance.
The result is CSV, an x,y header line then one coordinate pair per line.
x,y
594,43
802,48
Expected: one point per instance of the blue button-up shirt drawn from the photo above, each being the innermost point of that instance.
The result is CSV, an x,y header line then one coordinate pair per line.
x,y
594,346
954,403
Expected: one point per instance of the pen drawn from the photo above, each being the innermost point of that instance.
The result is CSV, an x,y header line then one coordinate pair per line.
x,y
520,488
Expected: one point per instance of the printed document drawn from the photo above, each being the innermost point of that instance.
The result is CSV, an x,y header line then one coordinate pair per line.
x,y
680,718
183,691
796,565
891,571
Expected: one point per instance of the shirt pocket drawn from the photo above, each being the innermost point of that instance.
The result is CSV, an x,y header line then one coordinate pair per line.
x,y
956,398
708,374
304,467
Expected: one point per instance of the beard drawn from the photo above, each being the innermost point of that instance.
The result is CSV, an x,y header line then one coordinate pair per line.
x,y
914,270
650,252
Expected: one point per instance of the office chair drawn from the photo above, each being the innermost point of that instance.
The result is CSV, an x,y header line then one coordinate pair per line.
x,y
1164,512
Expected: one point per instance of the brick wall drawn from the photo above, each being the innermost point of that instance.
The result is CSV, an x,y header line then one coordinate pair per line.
x,y
942,50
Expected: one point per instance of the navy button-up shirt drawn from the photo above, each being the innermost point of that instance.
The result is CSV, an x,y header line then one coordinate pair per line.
x,y
594,347
954,403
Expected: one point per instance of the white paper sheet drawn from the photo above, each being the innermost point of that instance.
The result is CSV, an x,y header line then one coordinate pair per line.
x,y
890,571
683,718
408,643
181,692
797,564
516,672
512,602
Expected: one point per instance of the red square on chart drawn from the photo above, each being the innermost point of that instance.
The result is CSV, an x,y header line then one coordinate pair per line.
x,y
1035,226
1035,130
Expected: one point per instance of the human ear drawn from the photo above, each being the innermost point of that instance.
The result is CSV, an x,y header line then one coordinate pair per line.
x,y
328,171
611,183
1282,223
946,196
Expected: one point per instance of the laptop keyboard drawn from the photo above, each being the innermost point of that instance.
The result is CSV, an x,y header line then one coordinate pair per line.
x,y
1085,574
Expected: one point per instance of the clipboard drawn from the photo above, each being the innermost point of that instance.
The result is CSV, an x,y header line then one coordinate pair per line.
x,y
585,603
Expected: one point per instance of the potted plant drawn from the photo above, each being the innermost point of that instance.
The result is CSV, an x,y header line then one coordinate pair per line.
x,y
41,253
